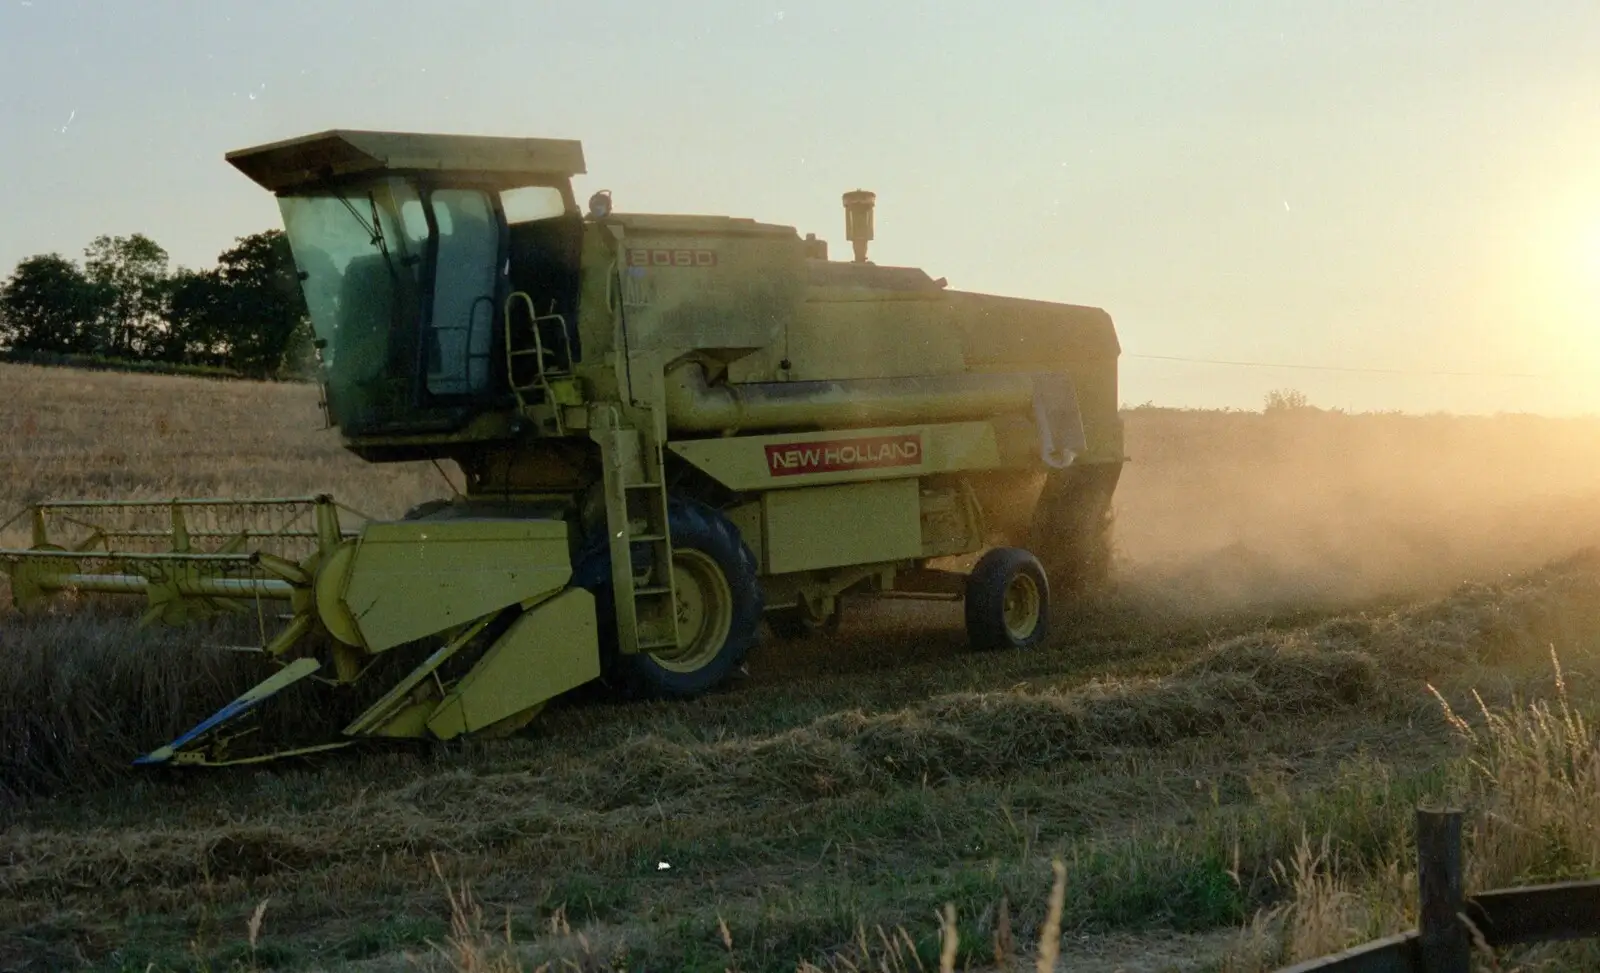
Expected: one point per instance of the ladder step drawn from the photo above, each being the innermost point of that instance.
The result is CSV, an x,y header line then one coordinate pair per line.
x,y
651,592
659,644
647,538
641,486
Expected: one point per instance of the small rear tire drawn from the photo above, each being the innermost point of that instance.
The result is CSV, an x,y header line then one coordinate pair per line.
x,y
798,622
1007,601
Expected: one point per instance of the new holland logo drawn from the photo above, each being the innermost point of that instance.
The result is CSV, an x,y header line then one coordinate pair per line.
x,y
836,455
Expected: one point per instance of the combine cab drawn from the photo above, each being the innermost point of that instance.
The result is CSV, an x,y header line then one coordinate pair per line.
x,y
670,428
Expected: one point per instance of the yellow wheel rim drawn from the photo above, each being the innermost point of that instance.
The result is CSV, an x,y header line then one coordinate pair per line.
x,y
1022,607
704,604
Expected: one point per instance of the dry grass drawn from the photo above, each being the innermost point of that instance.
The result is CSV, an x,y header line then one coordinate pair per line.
x,y
1532,776
102,435
1538,771
732,799
473,947
81,693
1241,727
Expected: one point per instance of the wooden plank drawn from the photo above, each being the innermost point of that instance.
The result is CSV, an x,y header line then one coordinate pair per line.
x,y
1538,913
1442,938
1396,954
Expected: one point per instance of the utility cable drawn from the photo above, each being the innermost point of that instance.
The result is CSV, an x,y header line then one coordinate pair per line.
x,y
1371,370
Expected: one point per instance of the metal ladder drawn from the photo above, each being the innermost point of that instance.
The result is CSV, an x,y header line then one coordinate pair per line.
x,y
636,493
544,375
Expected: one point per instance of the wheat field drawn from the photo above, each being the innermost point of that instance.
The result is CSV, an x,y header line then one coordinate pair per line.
x,y
1211,767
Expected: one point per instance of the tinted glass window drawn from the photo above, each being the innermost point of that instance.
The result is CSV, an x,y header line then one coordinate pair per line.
x,y
461,330
529,203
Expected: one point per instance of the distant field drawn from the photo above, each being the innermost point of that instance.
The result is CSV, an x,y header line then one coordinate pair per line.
x,y
71,433
1288,586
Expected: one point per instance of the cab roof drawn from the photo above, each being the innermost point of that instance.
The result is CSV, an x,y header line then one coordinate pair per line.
x,y
310,159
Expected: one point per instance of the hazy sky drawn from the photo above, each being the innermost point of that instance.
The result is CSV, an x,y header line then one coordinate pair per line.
x,y
1396,185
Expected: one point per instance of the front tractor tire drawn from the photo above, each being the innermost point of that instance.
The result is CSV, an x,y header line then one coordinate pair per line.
x,y
718,600
1007,601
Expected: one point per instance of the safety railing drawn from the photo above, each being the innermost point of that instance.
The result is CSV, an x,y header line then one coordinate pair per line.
x,y
186,557
287,527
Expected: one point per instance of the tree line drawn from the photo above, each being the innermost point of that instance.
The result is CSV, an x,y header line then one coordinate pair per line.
x,y
125,302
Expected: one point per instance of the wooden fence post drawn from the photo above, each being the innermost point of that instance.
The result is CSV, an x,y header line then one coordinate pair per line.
x,y
1442,936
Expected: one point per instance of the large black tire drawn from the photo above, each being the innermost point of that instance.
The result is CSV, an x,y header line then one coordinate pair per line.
x,y
1072,524
709,556
1007,601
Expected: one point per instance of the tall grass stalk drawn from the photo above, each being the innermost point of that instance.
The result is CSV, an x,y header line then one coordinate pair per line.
x,y
1533,782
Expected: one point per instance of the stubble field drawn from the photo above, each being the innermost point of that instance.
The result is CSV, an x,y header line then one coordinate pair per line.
x,y
1222,753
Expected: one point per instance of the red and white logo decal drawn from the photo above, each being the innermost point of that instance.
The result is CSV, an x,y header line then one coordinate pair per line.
x,y
660,257
835,455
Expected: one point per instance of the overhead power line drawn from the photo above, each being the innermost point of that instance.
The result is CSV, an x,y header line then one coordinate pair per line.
x,y
1370,370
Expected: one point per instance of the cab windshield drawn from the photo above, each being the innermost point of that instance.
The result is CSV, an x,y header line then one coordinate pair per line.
x,y
401,292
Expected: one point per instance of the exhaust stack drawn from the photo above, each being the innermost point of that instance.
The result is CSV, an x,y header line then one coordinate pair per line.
x,y
858,221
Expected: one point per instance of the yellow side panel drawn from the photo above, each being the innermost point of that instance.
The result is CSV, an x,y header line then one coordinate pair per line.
x,y
831,526
881,339
412,579
708,282
549,650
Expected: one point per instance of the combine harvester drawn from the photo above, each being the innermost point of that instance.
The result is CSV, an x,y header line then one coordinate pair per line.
x,y
669,427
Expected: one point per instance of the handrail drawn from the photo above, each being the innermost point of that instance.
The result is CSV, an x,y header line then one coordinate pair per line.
x,y
541,369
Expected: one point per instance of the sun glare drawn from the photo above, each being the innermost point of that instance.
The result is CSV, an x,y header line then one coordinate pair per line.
x,y
1570,274
1583,296
1550,270
1575,304
1589,264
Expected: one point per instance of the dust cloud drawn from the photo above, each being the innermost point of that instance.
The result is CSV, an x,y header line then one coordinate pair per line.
x,y
1227,517
1305,507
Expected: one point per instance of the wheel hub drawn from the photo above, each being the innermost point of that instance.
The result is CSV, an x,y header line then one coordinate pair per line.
x,y
703,603
1021,607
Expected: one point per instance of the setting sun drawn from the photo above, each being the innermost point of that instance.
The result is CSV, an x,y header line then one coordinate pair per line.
x,y
1540,290
1589,263
1577,296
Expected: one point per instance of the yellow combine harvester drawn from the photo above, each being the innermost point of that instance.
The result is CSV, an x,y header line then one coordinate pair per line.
x,y
669,427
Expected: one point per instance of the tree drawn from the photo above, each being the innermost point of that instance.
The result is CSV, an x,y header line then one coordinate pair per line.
x,y
247,314
132,270
197,316
1287,400
48,304
268,308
